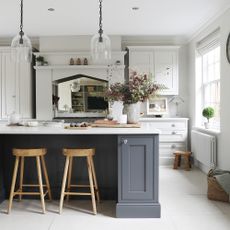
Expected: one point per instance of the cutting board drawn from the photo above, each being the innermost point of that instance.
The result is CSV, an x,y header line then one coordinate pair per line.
x,y
77,128
116,125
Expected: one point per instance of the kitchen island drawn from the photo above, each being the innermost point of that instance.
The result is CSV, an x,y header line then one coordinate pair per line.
x,y
126,162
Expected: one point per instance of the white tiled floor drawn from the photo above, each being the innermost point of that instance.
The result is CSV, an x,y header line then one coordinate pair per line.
x,y
182,197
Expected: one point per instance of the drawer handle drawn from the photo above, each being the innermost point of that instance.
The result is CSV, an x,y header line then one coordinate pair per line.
x,y
124,141
173,125
173,132
173,146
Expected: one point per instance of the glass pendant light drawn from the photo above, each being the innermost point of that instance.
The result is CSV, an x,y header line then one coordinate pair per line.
x,y
21,44
100,43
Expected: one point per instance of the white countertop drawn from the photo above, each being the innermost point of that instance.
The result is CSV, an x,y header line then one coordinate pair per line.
x,y
143,119
4,129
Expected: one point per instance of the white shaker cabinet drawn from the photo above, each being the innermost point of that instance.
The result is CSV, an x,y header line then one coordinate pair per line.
x,y
173,136
16,86
166,70
160,61
141,61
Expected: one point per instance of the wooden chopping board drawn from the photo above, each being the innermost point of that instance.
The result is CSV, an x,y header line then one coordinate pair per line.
x,y
77,128
116,125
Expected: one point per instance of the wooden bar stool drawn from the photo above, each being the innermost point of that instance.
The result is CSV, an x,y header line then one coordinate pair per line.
x,y
187,157
88,153
20,157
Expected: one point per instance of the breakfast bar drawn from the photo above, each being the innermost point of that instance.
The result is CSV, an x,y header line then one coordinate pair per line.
x,y
126,162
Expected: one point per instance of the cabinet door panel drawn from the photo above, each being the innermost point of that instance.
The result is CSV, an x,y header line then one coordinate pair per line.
x,y
141,61
8,85
166,70
25,90
137,169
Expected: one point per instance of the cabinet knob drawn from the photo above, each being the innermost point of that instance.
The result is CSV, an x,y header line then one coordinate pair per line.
x,y
173,132
173,125
14,96
173,146
124,141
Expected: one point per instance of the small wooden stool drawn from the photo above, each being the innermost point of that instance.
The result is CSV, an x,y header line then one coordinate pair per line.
x,y
20,155
177,160
88,153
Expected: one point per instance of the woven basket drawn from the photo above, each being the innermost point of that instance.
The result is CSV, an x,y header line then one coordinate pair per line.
x,y
215,191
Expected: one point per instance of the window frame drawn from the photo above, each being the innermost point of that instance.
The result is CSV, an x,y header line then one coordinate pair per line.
x,y
202,84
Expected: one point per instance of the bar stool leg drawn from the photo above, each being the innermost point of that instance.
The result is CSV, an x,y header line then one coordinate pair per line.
x,y
179,161
64,183
95,179
176,160
187,164
13,184
46,177
40,182
69,177
91,185
21,176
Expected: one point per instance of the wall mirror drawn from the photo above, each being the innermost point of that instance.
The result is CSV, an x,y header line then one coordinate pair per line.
x,y
79,96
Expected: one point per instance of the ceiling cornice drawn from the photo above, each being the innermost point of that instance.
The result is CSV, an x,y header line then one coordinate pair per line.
x,y
208,23
6,41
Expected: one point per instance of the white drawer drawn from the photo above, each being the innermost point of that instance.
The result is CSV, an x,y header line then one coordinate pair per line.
x,y
167,149
172,125
171,136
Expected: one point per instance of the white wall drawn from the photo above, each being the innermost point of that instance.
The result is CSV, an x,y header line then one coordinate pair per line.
x,y
223,139
73,43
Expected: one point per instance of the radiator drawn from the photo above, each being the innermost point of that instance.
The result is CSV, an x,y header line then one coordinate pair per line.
x,y
204,148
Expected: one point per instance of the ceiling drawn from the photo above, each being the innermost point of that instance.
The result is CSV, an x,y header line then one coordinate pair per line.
x,y
80,17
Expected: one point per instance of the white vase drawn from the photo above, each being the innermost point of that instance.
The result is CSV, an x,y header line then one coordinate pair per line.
x,y
207,125
133,113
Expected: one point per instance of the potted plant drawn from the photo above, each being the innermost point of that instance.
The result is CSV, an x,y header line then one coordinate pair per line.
x,y
39,60
208,113
137,89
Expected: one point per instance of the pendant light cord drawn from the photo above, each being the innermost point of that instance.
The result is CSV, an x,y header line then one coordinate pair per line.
x,y
21,33
100,21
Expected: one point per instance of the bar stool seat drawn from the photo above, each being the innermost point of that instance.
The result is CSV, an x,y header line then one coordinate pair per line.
x,y
187,157
70,154
40,160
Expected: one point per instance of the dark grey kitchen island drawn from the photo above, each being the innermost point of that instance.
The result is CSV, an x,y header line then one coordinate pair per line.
x,y
126,162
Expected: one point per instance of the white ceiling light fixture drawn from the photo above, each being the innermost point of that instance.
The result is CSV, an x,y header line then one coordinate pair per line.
x,y
21,44
100,43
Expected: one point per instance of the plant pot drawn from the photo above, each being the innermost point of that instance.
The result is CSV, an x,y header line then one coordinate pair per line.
x,y
39,63
133,112
207,125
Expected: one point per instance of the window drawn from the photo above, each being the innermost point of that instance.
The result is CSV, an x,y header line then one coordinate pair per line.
x,y
208,79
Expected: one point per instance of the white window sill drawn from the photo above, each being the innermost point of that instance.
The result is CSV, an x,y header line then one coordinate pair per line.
x,y
209,131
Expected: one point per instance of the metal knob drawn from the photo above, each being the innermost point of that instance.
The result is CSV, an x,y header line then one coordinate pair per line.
x,y
124,141
173,132
173,125
173,146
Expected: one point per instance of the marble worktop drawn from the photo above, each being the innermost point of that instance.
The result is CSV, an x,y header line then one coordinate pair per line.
x,y
4,129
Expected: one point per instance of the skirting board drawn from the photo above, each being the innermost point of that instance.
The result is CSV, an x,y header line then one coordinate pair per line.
x,y
201,166
125,210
